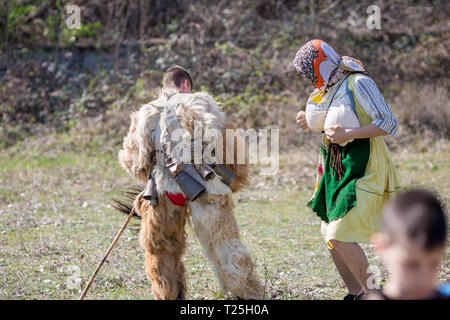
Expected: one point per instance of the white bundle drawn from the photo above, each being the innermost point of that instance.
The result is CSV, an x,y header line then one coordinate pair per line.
x,y
318,119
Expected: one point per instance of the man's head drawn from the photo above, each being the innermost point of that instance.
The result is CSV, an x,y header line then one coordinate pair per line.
x,y
412,241
177,78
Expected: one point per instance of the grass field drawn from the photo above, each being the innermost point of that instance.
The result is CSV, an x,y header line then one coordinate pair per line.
x,y
56,222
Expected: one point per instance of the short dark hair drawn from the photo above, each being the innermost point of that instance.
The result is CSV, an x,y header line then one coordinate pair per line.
x,y
418,216
174,76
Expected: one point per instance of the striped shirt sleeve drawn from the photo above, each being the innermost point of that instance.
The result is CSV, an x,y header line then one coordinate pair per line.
x,y
371,99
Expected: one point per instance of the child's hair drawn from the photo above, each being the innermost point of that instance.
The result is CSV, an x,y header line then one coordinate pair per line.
x,y
417,216
174,76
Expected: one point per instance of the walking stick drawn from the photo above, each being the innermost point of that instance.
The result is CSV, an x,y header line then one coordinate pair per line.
x,y
83,294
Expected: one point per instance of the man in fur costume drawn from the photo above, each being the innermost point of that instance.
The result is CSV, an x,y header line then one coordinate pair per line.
x,y
162,233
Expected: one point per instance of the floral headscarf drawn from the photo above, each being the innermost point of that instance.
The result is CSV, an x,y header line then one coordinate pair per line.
x,y
321,65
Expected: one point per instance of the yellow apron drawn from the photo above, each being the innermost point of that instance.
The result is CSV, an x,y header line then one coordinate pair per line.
x,y
379,184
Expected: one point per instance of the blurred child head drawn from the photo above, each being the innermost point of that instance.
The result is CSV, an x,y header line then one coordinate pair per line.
x,y
412,243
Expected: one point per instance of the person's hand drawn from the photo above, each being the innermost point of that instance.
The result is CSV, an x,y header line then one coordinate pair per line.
x,y
338,134
301,120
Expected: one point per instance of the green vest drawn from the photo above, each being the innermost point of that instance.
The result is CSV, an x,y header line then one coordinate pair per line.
x,y
343,167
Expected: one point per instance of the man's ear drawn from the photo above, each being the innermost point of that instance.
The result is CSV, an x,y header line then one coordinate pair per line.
x,y
185,86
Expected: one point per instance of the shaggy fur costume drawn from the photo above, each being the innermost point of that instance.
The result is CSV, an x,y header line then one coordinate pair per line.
x,y
162,233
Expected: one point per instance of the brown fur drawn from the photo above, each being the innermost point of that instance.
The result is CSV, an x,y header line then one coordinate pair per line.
x,y
162,233
187,119
240,170
163,238
126,205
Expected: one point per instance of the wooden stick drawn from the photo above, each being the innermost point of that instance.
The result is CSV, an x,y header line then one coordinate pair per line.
x,y
83,294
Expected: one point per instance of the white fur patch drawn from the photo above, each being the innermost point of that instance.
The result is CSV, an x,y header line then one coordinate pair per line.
x,y
206,111
205,108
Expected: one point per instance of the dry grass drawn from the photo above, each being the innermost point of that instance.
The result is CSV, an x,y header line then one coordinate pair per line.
x,y
55,219
424,109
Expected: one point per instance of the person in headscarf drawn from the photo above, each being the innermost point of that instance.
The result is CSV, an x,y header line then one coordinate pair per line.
x,y
355,174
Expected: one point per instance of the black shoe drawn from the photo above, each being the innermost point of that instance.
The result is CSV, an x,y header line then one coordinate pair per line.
x,y
350,297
